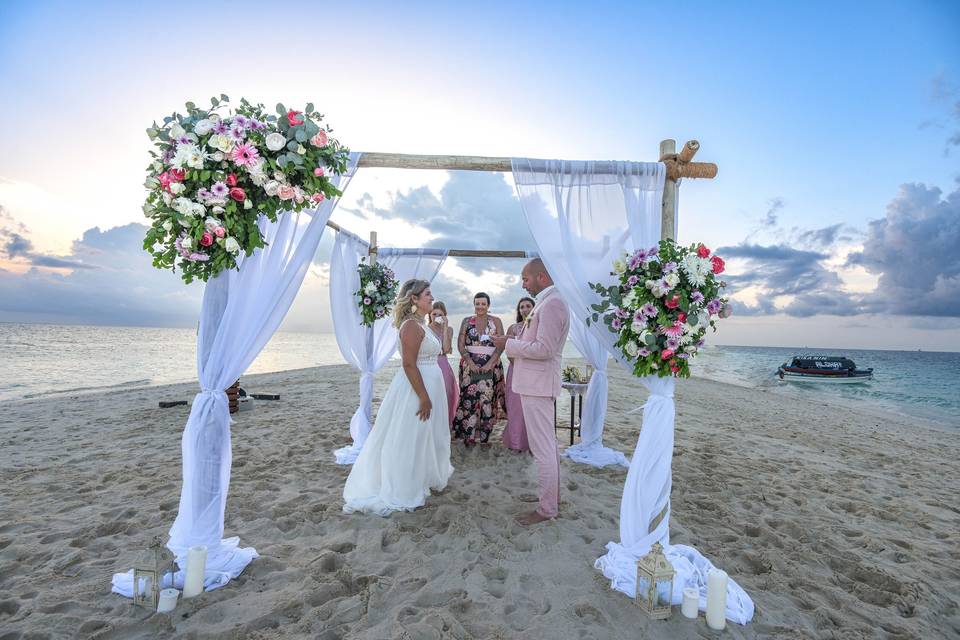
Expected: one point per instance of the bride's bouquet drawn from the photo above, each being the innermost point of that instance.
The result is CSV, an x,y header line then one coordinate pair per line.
x,y
666,300
216,171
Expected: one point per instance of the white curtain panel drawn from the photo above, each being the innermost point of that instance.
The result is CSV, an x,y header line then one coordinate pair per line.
x,y
369,348
241,311
581,221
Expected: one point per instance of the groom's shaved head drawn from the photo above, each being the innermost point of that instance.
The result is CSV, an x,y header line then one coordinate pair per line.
x,y
535,277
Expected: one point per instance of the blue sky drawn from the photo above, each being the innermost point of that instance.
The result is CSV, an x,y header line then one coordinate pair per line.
x,y
817,113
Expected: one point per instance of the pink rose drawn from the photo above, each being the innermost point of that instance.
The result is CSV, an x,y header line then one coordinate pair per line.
x,y
681,317
718,264
178,174
206,239
232,180
673,302
292,118
319,140
666,354
703,252
220,232
238,194
317,198
165,180
286,192
318,171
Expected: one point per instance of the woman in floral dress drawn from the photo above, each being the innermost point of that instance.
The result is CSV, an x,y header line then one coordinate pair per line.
x,y
481,375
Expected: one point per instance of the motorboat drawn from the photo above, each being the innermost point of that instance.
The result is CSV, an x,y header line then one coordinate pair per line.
x,y
826,369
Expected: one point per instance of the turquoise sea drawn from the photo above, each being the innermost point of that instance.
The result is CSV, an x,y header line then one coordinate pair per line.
x,y
42,359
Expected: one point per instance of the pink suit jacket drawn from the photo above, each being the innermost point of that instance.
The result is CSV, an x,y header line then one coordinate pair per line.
x,y
537,352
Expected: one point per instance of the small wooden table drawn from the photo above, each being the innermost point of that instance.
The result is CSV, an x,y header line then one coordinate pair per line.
x,y
577,390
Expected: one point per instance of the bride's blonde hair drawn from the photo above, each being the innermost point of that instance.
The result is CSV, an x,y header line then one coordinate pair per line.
x,y
405,307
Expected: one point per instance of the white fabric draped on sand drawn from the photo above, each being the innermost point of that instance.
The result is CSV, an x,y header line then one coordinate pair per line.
x,y
241,311
369,348
584,221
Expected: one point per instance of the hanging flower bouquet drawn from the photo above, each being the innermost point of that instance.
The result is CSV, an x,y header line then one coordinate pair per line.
x,y
666,300
378,290
216,170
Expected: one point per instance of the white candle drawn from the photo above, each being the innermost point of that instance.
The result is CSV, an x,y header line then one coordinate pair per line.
x,y
691,602
196,567
168,600
717,599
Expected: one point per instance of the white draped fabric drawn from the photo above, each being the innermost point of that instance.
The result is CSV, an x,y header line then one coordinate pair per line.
x,y
369,348
582,221
241,311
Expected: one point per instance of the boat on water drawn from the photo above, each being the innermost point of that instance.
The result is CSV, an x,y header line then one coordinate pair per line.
x,y
823,369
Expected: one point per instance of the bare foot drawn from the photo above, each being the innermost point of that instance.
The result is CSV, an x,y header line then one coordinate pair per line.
x,y
528,519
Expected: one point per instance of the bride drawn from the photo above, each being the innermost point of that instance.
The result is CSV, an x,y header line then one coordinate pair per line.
x,y
408,450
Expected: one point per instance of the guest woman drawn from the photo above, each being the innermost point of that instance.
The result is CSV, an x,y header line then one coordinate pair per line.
x,y
444,332
515,434
481,375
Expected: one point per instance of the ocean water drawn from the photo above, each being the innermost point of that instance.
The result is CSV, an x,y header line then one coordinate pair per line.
x,y
913,383
40,359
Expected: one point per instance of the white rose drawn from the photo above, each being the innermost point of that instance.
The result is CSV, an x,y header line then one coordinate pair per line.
x,y
213,140
691,349
271,188
203,127
214,118
632,349
248,204
176,188
672,279
216,156
176,131
183,205
167,226
301,149
218,210
224,144
619,266
638,326
211,223
198,209
187,242
231,245
370,288
276,141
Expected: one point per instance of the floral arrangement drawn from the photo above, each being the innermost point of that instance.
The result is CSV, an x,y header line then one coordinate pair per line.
x,y
377,292
572,374
666,300
216,171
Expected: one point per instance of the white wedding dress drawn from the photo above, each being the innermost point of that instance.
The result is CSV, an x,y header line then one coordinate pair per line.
x,y
404,457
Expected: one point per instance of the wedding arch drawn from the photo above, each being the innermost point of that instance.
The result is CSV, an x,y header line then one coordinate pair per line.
x,y
582,215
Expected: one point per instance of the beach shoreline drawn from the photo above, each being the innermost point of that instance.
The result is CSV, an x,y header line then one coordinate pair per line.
x,y
838,522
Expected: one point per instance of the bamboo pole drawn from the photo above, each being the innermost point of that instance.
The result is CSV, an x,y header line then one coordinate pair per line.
x,y
668,152
373,247
484,163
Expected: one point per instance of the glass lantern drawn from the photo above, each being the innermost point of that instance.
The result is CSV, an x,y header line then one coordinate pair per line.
x,y
149,572
655,583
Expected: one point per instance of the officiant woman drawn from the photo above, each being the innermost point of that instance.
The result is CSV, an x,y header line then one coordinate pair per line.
x,y
481,375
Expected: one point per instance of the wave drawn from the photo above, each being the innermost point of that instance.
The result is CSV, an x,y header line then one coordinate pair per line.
x,y
107,387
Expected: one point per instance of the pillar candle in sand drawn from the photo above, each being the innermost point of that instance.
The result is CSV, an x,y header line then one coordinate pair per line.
x,y
717,599
196,567
168,600
691,602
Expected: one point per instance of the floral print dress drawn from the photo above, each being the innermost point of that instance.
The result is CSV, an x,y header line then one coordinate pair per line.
x,y
481,394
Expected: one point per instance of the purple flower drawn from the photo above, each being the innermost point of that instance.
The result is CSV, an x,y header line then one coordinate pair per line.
x,y
648,310
242,121
669,266
696,297
367,301
683,356
197,257
616,323
204,194
633,280
714,306
623,313
255,125
644,352
221,127
673,343
219,189
379,313
238,133
184,140
700,343
167,156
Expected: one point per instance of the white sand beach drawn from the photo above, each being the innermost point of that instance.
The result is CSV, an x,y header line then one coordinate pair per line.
x,y
839,523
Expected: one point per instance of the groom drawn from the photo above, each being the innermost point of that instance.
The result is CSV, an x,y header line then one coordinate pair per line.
x,y
536,379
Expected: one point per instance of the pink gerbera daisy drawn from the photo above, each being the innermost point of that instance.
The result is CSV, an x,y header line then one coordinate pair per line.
x,y
245,154
673,330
